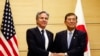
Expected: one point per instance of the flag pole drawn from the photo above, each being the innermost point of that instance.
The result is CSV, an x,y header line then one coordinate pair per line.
x,y
7,1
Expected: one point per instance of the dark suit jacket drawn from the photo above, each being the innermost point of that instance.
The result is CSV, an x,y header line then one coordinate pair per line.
x,y
77,46
36,46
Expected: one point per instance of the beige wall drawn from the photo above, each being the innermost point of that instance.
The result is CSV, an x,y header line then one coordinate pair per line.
x,y
24,12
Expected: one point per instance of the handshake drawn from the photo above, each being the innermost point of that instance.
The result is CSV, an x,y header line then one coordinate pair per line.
x,y
58,54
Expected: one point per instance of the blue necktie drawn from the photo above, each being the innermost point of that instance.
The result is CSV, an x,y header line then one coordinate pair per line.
x,y
69,38
43,37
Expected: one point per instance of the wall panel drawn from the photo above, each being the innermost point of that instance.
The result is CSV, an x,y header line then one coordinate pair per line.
x,y
23,53
24,11
91,10
58,9
95,52
94,35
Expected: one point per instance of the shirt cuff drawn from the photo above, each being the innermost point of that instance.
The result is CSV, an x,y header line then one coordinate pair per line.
x,y
49,53
66,54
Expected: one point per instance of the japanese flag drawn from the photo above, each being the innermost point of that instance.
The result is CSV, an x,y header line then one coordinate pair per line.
x,y
81,24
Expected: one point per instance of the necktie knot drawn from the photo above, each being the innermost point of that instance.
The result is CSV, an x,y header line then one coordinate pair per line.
x,y
42,31
70,33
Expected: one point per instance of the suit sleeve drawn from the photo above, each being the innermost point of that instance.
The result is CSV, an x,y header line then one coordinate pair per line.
x,y
56,45
32,46
81,46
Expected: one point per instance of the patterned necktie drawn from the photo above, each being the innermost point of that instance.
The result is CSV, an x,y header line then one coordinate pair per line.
x,y
43,37
69,38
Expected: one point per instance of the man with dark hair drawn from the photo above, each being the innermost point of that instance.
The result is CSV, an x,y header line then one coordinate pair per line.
x,y
70,42
40,40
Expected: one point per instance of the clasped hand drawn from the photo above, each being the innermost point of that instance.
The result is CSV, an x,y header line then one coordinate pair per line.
x,y
58,54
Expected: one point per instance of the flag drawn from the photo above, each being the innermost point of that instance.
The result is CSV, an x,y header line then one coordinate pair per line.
x,y
8,41
81,24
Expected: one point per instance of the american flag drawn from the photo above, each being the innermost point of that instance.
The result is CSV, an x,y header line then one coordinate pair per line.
x,y
8,41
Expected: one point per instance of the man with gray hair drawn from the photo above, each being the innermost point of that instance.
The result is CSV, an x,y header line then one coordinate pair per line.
x,y
40,40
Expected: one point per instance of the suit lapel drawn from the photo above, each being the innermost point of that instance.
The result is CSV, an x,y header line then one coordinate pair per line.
x,y
65,39
48,34
38,33
39,36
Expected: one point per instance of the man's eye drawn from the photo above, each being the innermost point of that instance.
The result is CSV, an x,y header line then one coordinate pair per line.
x,y
46,18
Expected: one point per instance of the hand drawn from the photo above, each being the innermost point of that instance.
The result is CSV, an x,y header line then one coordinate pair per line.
x,y
58,54
53,54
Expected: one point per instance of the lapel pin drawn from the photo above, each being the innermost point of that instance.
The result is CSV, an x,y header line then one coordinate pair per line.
x,y
74,37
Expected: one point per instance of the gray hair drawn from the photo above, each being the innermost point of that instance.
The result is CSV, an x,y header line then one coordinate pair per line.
x,y
39,13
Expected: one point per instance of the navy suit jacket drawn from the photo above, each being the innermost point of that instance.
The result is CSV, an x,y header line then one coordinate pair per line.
x,y
36,45
77,45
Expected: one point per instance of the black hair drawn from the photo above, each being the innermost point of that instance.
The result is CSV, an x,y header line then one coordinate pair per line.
x,y
69,14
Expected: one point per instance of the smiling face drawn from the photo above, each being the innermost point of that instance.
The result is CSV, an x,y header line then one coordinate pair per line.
x,y
71,21
42,20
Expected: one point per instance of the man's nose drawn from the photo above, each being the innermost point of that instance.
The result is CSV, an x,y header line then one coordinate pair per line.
x,y
71,20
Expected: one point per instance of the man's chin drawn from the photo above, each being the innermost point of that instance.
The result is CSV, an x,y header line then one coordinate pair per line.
x,y
72,27
43,26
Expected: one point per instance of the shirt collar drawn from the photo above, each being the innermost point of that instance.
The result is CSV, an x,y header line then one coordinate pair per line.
x,y
71,31
40,29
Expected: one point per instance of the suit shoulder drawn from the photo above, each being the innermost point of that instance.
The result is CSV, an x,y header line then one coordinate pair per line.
x,y
61,32
31,29
80,32
49,31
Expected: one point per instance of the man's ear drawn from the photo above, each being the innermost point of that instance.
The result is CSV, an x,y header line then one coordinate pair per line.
x,y
76,21
64,22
